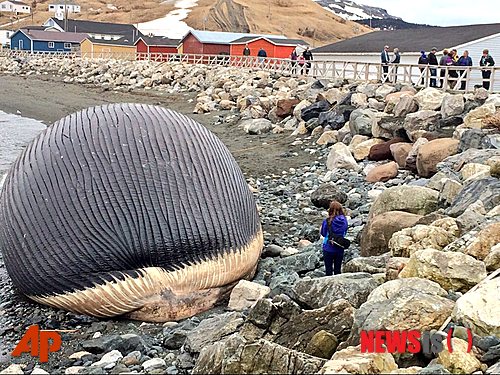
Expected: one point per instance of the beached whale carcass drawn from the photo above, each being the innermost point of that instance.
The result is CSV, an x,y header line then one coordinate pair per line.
x,y
128,209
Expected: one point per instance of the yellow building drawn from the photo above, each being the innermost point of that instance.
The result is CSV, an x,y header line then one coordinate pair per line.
x,y
122,49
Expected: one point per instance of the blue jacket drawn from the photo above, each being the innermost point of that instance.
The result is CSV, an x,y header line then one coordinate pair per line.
x,y
339,227
465,61
384,57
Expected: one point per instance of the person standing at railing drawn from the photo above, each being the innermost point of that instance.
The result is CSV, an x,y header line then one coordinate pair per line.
x,y
384,59
262,54
433,62
486,61
442,62
308,56
246,50
452,73
422,60
464,60
293,59
396,60
302,62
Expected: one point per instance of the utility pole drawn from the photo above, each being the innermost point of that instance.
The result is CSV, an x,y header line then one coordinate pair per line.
x,y
65,15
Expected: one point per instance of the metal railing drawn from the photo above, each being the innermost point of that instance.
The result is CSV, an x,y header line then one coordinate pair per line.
x,y
458,78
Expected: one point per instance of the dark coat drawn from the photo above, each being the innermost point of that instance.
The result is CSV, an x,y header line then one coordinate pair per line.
x,y
433,59
307,55
384,57
262,53
487,61
397,58
246,51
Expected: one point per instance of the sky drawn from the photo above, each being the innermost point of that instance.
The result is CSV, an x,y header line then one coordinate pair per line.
x,y
441,12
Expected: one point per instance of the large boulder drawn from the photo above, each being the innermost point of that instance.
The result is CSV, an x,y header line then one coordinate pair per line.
x,y
361,121
382,151
340,157
379,230
485,190
382,91
314,110
336,117
235,355
492,260
388,127
285,107
369,89
459,360
383,172
322,345
409,240
400,152
402,304
406,105
429,99
418,123
370,264
411,159
322,291
414,199
257,126
212,330
475,118
394,98
297,111
361,150
351,361
484,241
432,153
452,105
480,309
359,100
328,137
246,293
453,271
327,193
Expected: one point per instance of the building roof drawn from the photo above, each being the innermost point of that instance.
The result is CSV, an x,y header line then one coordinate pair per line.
x,y
222,37
159,41
94,27
53,36
64,3
15,2
412,40
34,27
120,42
276,41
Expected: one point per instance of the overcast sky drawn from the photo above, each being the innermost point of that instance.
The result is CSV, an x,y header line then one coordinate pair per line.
x,y
441,12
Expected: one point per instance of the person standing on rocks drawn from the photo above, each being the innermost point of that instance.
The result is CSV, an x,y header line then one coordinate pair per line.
x,y
486,61
384,59
336,223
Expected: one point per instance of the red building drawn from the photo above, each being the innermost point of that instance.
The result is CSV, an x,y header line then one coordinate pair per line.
x,y
219,43
274,47
161,45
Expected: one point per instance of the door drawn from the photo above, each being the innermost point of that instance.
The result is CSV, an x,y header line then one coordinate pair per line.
x,y
21,42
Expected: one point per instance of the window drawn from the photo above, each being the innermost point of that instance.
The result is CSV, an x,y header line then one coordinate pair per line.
x,y
61,6
51,44
67,45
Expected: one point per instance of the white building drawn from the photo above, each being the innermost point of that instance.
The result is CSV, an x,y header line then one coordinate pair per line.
x,y
367,48
5,37
63,8
14,6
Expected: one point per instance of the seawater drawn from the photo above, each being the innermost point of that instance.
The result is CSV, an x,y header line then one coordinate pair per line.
x,y
15,134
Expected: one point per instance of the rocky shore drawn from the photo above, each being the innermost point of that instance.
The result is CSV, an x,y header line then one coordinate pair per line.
x,y
418,172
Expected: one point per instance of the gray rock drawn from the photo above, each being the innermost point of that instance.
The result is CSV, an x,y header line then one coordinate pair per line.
x,y
452,105
322,291
314,110
402,304
325,194
213,329
433,369
301,262
124,343
361,121
154,364
371,265
420,122
495,369
486,190
257,126
475,138
406,105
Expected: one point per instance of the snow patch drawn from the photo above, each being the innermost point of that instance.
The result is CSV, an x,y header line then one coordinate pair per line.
x,y
172,25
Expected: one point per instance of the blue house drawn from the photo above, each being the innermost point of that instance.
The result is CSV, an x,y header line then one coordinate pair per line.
x,y
46,41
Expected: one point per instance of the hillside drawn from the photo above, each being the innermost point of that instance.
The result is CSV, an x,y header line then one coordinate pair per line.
x,y
303,19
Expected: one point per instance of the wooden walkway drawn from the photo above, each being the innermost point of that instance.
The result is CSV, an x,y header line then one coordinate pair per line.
x,y
456,78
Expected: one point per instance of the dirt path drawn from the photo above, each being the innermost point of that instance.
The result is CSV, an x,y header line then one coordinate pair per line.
x,y
47,100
